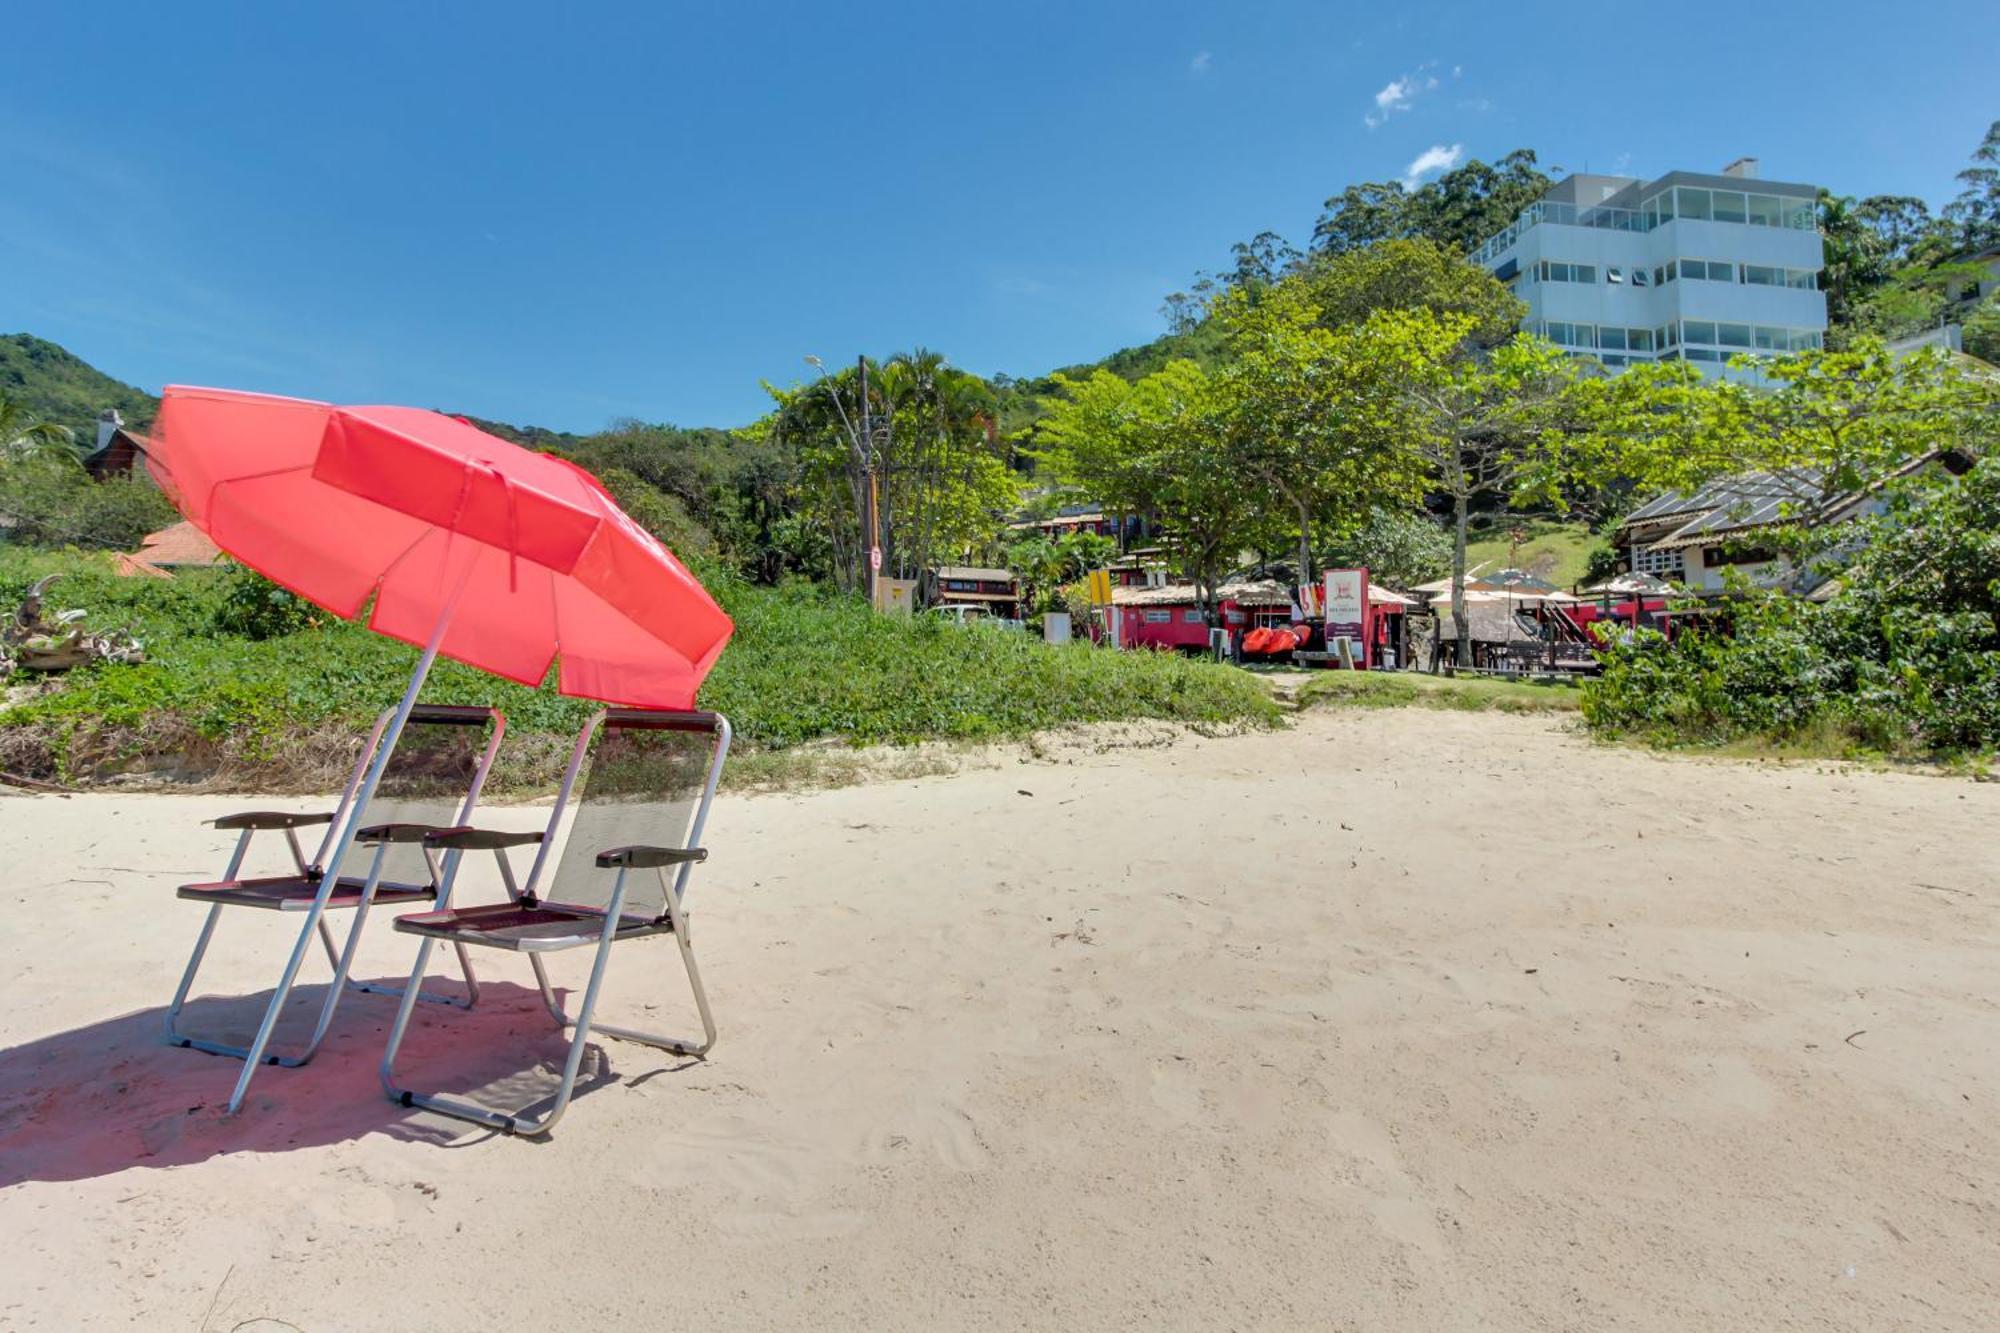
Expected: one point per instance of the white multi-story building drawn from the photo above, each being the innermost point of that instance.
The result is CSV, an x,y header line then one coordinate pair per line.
x,y
1689,266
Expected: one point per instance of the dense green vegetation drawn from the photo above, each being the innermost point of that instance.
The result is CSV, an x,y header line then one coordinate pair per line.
x,y
258,689
59,387
1903,660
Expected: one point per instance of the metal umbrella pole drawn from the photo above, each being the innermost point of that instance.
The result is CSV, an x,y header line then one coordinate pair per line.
x,y
330,875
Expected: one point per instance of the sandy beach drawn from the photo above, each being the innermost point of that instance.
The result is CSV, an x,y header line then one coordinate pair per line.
x,y
1398,1019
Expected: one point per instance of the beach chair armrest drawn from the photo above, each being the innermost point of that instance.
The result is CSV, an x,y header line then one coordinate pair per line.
x,y
271,819
395,833
469,839
649,858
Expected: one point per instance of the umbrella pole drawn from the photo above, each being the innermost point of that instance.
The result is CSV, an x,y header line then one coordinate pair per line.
x,y
330,874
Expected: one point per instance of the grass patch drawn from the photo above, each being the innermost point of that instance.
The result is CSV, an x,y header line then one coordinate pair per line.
x,y
1471,694
1558,552
805,666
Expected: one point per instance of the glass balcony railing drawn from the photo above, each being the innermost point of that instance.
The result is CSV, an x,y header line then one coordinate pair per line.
x,y
1705,205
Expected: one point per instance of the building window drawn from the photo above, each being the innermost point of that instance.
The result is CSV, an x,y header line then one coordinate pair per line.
x,y
1763,275
1641,339
1701,354
1713,557
1733,335
1193,618
1159,617
1653,560
1614,276
1692,203
1611,339
1697,331
1729,206
1640,278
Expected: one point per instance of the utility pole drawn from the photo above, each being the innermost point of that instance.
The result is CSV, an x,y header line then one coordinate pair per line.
x,y
874,536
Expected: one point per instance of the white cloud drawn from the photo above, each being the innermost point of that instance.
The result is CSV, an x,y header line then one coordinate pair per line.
x,y
1435,158
1200,63
1400,94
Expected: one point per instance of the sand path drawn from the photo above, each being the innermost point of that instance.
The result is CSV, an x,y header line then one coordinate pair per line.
x,y
1396,1020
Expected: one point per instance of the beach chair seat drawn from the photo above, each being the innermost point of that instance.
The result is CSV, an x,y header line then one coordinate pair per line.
x,y
431,776
296,893
549,928
623,875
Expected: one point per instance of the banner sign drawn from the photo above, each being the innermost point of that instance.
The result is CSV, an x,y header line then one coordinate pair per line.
x,y
1347,612
1100,587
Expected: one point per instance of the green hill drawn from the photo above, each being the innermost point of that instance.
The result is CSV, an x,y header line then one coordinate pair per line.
x,y
56,385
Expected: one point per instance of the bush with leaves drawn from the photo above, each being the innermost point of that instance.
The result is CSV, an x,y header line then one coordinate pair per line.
x,y
253,607
51,501
1904,659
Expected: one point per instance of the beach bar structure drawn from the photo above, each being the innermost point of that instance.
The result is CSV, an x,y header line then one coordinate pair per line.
x,y
1169,615
996,591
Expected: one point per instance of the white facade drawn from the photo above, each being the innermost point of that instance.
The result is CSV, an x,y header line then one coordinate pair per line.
x,y
1690,266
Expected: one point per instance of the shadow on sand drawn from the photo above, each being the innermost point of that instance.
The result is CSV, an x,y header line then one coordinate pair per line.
x,y
111,1096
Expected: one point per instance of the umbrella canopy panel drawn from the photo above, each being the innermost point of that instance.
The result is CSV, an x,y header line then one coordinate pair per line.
x,y
415,508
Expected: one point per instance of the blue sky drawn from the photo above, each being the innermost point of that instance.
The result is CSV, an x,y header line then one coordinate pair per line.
x,y
563,215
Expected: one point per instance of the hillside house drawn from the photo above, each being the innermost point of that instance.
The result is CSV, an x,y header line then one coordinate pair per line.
x,y
1696,539
996,591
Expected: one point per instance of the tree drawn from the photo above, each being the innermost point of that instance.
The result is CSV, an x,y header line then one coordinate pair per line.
x,y
1181,311
1361,216
1481,422
1824,427
1457,212
1976,210
23,434
1901,223
1398,548
1409,275
1854,263
929,465
1306,413
1982,331
1157,448
1261,261
1464,207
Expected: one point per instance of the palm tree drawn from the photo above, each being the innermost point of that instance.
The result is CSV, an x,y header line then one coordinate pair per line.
x,y
24,435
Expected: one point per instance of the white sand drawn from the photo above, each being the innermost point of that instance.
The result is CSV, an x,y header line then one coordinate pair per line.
x,y
1398,1020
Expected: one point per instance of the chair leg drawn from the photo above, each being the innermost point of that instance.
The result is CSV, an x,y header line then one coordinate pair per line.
x,y
572,1061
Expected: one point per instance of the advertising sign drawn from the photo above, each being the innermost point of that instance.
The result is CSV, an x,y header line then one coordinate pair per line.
x,y
1347,615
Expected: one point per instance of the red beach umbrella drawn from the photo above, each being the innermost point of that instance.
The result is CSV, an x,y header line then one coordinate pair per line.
x,y
496,556
476,548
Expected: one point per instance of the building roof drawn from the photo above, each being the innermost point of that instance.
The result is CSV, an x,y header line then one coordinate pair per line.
x,y
1731,506
176,546
975,573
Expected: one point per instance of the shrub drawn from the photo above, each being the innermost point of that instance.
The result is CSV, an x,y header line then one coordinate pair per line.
x,y
1904,659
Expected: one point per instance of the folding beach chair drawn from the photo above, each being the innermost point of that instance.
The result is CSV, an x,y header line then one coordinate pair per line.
x,y
652,779
433,776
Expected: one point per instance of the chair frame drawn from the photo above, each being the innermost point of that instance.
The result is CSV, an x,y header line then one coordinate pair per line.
x,y
381,837
611,925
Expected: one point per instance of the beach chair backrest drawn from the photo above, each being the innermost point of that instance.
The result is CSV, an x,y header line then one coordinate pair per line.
x,y
650,778
433,776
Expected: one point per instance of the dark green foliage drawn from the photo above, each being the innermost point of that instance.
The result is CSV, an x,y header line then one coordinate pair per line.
x,y
51,501
62,388
1458,211
1397,549
1903,660
706,493
250,606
